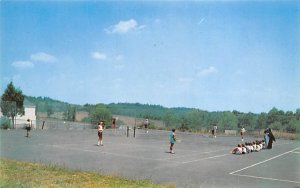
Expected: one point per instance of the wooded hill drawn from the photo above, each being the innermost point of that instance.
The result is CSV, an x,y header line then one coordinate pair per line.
x,y
180,118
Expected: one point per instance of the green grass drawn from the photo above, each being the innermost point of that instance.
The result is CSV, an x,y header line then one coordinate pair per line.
x,y
25,174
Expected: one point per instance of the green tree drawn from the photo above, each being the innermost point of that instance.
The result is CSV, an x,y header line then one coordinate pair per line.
x,y
261,121
12,102
273,116
169,119
276,125
293,126
297,114
49,109
100,113
70,113
228,120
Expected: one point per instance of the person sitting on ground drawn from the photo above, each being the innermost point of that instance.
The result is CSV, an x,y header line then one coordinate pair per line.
x,y
237,150
244,149
254,146
258,147
250,146
263,144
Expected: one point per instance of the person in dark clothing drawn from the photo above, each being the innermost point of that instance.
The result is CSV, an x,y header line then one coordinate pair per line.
x,y
271,139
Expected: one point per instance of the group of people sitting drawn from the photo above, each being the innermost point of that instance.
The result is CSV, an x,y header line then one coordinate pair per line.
x,y
257,145
249,147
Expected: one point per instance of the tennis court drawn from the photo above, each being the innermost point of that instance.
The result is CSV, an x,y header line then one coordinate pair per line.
x,y
199,160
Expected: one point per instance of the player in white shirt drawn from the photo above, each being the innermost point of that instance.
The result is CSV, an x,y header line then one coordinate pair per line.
x,y
100,133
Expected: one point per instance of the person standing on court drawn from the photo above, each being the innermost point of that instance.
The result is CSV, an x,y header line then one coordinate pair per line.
x,y
266,139
113,123
28,127
271,139
215,131
172,140
146,124
100,132
243,130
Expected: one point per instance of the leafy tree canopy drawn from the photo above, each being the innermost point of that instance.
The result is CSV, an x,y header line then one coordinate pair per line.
x,y
12,102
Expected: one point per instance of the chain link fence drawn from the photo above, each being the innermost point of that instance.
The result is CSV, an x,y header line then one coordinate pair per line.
x,y
66,125
54,124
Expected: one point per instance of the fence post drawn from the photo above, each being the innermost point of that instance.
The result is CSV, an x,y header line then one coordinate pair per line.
x,y
43,124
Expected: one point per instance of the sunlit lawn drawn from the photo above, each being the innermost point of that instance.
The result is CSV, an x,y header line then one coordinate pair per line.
x,y
25,174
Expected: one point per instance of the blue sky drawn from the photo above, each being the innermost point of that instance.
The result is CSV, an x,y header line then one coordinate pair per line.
x,y
210,55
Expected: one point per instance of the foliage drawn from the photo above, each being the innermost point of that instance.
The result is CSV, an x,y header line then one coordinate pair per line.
x,y
5,123
100,113
188,119
48,105
69,114
12,102
49,109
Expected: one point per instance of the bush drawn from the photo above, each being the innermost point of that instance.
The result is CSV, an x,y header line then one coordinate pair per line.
x,y
293,126
152,126
5,123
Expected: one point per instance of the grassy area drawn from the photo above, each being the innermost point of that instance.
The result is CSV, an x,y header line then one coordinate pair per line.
x,y
25,174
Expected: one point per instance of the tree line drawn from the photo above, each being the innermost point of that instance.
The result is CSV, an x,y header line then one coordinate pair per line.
x,y
195,119
186,119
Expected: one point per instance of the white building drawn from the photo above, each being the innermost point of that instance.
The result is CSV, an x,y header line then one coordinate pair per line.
x,y
29,114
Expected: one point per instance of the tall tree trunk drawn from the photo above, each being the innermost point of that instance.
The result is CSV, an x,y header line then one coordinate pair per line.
x,y
13,121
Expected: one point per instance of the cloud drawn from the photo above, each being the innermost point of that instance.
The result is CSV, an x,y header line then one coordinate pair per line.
x,y
23,64
98,56
43,57
124,27
208,71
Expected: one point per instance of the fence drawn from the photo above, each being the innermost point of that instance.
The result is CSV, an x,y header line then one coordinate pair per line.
x,y
59,124
54,124
230,132
21,123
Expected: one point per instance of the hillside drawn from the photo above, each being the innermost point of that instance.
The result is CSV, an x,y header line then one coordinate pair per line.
x,y
180,118
131,121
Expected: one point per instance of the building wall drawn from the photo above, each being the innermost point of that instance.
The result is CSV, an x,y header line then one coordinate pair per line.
x,y
29,114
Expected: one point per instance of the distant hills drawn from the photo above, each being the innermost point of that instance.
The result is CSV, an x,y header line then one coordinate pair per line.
x,y
180,118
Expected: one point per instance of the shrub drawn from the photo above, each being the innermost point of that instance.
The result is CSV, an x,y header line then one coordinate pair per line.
x,y
5,123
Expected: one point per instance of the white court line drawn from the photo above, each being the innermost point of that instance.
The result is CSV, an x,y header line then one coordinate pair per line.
x,y
273,179
296,152
198,153
216,156
232,173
